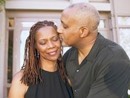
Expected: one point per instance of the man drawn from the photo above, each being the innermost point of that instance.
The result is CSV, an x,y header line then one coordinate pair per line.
x,y
97,67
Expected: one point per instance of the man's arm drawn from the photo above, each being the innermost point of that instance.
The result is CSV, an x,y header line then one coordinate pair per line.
x,y
112,81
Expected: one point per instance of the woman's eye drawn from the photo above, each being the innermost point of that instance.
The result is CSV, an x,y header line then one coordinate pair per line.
x,y
55,39
42,43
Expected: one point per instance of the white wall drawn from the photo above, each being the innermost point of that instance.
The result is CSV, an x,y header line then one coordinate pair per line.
x,y
2,52
122,6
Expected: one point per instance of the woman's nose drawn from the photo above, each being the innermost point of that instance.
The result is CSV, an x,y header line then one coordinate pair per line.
x,y
51,44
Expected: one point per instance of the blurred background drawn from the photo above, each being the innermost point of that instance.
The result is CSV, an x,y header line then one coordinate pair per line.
x,y
17,16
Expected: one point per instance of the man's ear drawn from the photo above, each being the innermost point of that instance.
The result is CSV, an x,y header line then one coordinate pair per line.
x,y
84,31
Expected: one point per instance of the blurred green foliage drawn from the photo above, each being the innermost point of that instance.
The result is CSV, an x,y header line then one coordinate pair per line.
x,y
2,2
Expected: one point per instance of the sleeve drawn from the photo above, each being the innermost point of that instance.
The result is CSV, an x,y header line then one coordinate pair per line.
x,y
112,80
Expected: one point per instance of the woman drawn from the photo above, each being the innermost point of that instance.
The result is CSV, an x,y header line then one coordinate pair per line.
x,y
43,74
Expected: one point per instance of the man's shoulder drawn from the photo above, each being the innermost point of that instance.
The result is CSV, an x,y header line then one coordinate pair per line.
x,y
71,50
69,53
112,48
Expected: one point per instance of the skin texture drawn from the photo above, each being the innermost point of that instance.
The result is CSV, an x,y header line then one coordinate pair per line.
x,y
48,45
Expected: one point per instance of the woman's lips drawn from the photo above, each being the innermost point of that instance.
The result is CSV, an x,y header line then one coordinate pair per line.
x,y
52,52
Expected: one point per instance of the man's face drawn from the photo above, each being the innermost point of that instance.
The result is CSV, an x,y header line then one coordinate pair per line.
x,y
69,30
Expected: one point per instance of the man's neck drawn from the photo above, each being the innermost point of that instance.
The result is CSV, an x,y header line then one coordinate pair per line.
x,y
85,48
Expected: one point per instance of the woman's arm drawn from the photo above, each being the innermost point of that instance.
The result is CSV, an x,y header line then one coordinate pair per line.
x,y
17,89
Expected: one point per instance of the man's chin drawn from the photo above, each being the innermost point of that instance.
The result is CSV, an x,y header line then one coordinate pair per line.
x,y
64,44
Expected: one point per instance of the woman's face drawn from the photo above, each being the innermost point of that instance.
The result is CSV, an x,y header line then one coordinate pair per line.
x,y
48,43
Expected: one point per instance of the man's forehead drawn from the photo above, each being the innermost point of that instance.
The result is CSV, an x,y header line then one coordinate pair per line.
x,y
69,10
69,13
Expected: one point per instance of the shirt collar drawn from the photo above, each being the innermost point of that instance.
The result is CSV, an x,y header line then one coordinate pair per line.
x,y
98,45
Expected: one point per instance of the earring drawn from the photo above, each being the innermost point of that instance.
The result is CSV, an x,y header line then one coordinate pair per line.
x,y
37,55
60,57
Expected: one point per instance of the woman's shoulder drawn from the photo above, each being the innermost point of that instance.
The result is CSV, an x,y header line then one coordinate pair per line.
x,y
17,77
17,89
17,80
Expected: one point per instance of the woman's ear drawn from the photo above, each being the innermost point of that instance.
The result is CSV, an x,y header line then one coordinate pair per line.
x,y
84,31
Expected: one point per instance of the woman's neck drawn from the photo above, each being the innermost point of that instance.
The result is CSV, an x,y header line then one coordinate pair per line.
x,y
48,66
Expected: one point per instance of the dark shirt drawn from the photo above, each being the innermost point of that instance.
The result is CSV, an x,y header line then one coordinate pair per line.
x,y
51,87
104,73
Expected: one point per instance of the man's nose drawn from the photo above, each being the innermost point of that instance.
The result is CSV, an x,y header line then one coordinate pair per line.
x,y
59,29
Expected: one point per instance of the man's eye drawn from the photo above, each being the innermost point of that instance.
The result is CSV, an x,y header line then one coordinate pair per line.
x,y
64,26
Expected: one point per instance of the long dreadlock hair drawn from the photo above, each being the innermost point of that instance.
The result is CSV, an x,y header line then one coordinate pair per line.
x,y
31,68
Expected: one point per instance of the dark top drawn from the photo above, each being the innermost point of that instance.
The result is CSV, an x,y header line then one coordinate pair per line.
x,y
104,73
52,87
